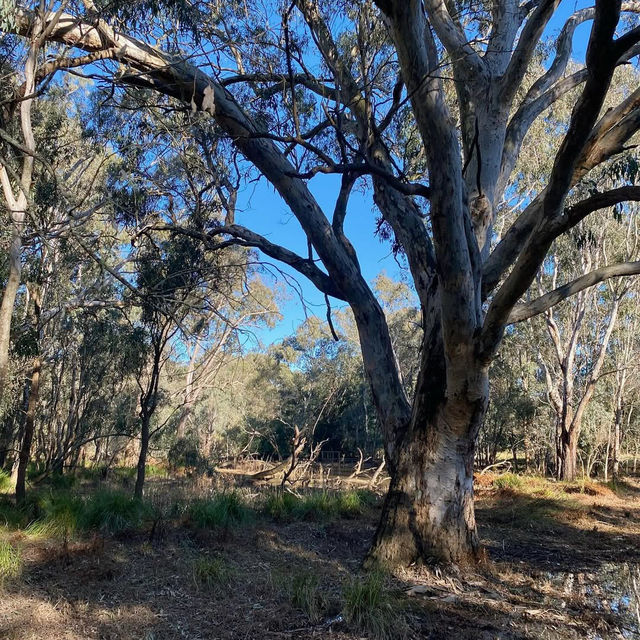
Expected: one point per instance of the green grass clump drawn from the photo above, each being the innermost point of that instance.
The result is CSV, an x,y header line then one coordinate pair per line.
x,y
508,481
211,572
369,607
59,519
318,505
223,510
305,594
60,482
113,511
11,516
156,471
280,506
6,486
10,562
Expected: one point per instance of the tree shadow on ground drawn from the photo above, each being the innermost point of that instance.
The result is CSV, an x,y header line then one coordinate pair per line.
x,y
549,534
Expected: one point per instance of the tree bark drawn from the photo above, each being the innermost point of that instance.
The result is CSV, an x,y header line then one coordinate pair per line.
x,y
428,513
142,457
568,454
8,302
29,426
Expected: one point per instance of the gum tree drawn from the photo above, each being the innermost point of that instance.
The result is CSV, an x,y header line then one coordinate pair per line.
x,y
431,101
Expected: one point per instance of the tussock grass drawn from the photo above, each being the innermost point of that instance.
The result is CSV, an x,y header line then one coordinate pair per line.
x,y
10,562
305,594
60,515
506,481
11,516
5,482
319,505
303,590
59,519
224,510
211,573
113,511
370,608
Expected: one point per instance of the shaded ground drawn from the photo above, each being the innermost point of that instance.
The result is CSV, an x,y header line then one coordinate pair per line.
x,y
563,564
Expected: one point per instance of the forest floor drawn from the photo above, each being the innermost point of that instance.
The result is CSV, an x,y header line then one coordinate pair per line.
x,y
564,563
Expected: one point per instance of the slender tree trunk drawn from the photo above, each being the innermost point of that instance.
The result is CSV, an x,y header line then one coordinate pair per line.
x,y
142,458
148,403
27,437
8,302
616,445
607,454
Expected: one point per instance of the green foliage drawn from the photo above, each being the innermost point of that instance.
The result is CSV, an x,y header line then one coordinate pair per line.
x,y
7,15
185,453
61,512
113,511
369,607
211,572
5,482
280,505
508,481
318,505
304,592
10,562
12,516
224,510
156,471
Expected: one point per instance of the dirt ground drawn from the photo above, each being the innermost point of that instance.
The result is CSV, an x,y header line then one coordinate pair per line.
x,y
564,563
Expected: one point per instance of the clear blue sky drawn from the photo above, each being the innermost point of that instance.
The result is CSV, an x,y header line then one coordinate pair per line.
x,y
262,210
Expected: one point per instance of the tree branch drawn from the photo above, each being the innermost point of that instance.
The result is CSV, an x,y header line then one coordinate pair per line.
x,y
600,67
525,311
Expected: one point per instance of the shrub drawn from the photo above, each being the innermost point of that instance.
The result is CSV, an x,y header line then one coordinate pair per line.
x,y
61,482
12,516
223,510
211,573
369,607
185,453
10,562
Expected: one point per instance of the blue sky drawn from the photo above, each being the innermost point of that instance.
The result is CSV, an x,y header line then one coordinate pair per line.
x,y
262,210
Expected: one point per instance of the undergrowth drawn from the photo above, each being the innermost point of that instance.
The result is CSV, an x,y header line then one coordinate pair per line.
x,y
224,510
508,481
59,515
10,562
370,608
5,482
318,505
211,572
304,592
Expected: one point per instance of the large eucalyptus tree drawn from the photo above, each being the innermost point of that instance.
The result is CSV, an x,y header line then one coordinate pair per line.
x,y
431,101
